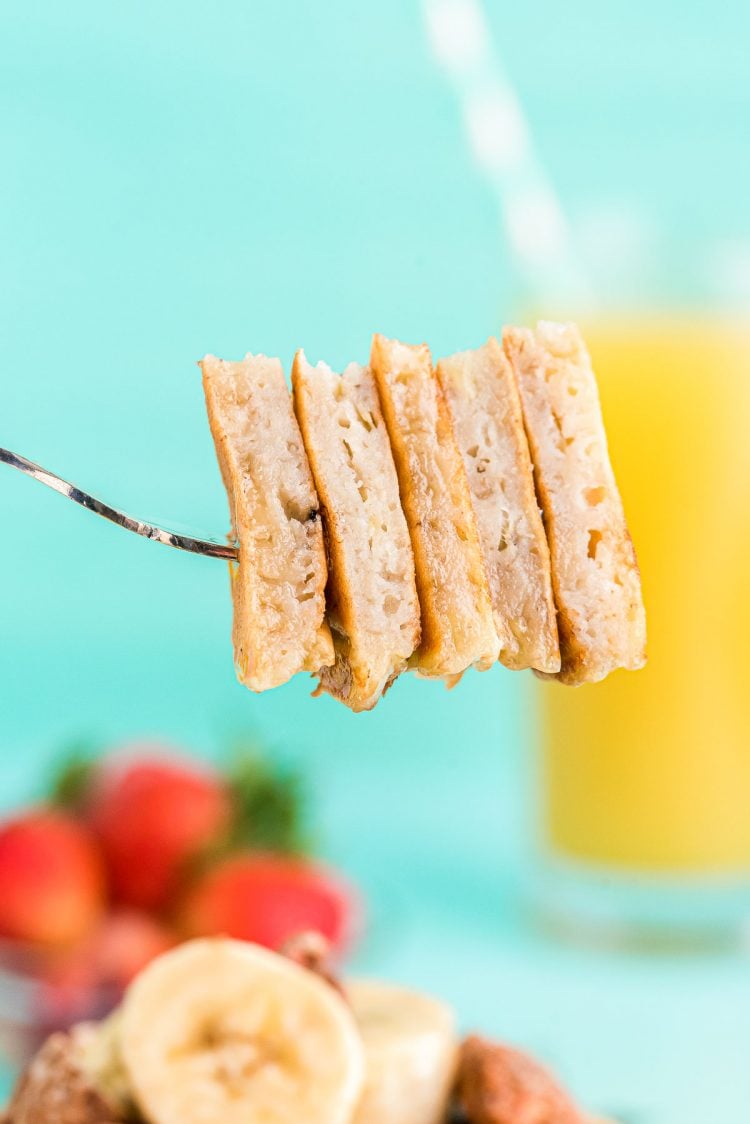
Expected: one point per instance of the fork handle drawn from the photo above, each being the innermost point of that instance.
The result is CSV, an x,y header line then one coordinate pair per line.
x,y
213,548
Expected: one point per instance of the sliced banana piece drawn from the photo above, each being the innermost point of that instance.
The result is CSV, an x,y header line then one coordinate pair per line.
x,y
411,1054
219,1030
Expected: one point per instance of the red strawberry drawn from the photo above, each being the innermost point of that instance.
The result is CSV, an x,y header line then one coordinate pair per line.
x,y
268,899
152,814
51,878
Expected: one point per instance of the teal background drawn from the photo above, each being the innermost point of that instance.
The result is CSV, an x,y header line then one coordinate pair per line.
x,y
180,178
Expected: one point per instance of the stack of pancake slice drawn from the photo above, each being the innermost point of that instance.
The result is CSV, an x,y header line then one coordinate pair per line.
x,y
411,516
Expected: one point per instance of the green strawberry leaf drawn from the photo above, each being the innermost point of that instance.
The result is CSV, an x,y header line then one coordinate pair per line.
x,y
72,781
269,805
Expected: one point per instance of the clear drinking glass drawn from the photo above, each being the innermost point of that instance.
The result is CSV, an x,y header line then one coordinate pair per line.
x,y
645,778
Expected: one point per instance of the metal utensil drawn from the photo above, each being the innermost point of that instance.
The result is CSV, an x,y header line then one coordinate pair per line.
x,y
214,548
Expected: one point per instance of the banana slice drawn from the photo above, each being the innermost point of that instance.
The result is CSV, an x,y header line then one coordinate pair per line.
x,y
221,1030
411,1053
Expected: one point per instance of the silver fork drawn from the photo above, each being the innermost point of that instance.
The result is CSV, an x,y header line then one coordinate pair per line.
x,y
214,548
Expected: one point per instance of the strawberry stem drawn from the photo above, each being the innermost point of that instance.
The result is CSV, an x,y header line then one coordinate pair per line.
x,y
73,780
269,805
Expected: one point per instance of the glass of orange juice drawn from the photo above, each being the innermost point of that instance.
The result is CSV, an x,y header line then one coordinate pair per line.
x,y
646,776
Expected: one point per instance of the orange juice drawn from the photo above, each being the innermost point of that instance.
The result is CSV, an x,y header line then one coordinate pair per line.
x,y
650,771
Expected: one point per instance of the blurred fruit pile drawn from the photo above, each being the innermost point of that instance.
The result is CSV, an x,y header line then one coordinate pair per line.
x,y
140,849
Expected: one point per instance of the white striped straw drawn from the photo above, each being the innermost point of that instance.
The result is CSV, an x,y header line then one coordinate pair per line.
x,y
502,146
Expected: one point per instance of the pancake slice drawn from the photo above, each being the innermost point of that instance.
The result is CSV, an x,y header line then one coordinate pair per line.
x,y
372,597
278,587
488,423
601,618
458,630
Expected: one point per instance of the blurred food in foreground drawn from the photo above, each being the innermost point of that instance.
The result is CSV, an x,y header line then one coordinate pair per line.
x,y
132,854
226,1031
267,898
652,771
52,878
498,1084
151,817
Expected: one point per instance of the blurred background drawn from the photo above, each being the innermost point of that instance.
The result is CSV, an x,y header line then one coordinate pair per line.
x,y
186,178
